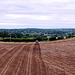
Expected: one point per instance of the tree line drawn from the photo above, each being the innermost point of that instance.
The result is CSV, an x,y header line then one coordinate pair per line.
x,y
28,37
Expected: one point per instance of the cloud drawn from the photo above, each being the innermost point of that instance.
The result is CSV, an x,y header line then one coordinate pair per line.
x,y
22,16
37,12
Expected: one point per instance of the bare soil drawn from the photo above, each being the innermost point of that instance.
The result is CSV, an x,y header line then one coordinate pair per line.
x,y
45,58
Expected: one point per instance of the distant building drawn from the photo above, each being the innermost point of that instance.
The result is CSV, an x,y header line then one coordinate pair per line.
x,y
56,38
64,37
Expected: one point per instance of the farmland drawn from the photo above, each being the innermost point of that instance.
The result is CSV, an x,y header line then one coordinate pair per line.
x,y
45,58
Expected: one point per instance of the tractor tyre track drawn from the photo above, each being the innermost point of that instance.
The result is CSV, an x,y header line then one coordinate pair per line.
x,y
7,59
16,63
38,66
29,62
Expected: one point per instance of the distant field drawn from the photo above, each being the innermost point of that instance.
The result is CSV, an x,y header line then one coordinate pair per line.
x,y
45,58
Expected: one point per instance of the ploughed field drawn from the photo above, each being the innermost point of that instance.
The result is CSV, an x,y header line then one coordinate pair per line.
x,y
45,58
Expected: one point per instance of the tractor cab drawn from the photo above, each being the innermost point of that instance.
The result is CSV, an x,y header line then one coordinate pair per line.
x,y
36,42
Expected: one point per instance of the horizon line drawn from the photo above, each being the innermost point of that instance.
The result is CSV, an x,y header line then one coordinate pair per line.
x,y
36,28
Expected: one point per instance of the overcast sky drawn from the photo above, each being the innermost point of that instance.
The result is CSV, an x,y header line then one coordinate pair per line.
x,y
37,14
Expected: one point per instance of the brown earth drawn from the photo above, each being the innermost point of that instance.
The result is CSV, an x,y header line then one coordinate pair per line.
x,y
45,58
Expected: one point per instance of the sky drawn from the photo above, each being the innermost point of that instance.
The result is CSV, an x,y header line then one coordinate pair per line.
x,y
37,14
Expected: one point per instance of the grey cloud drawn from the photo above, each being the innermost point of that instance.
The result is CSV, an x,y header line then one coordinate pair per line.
x,y
59,13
